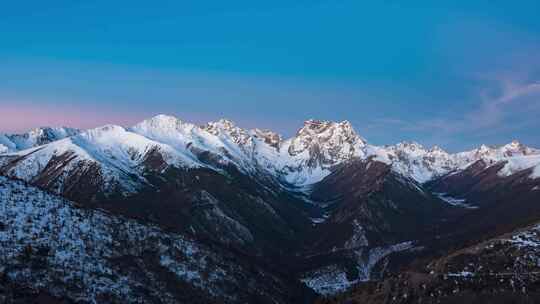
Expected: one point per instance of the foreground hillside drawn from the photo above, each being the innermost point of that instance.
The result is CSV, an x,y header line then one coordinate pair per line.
x,y
50,246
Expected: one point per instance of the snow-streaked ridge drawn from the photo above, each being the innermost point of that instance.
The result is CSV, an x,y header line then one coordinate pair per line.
x,y
118,153
425,164
33,138
300,161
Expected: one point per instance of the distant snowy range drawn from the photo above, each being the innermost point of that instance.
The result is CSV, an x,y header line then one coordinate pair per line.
x,y
299,161
167,211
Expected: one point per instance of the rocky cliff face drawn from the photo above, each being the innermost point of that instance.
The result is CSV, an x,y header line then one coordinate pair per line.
x,y
326,143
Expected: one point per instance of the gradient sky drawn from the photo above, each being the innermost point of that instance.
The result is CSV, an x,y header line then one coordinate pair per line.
x,y
456,74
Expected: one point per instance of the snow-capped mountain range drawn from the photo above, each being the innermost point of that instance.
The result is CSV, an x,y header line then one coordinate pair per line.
x,y
326,203
425,164
34,137
115,152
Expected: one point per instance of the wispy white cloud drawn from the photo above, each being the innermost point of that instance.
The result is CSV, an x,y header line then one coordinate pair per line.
x,y
502,104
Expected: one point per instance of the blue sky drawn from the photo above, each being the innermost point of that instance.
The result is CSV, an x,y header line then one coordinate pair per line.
x,y
456,74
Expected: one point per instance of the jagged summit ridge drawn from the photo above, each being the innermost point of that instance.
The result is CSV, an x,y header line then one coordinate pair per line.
x,y
304,159
317,147
109,158
357,203
34,137
328,130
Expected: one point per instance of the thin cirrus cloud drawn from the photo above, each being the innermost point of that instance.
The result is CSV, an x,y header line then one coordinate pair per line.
x,y
501,66
516,106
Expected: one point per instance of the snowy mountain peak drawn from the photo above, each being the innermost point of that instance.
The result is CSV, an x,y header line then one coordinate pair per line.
x,y
323,144
517,148
225,123
484,148
166,129
437,150
227,130
412,159
411,147
328,130
222,125
515,142
110,159
52,131
495,154
33,138
321,127
99,131
163,122
414,149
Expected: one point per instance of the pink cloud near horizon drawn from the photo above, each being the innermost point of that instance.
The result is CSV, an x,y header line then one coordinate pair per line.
x,y
16,117
19,117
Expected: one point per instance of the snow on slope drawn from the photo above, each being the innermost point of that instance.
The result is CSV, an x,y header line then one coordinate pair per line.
x,y
91,256
304,159
310,155
125,148
412,159
190,139
6,145
299,161
316,148
33,138
423,165
516,156
333,278
519,163
536,172
119,155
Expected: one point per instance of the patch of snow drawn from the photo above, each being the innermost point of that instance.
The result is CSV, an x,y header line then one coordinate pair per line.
x,y
328,280
536,172
6,145
528,238
462,274
317,220
458,202
376,255
320,220
332,279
